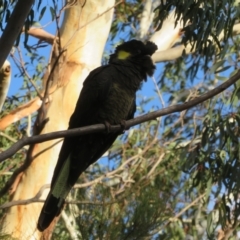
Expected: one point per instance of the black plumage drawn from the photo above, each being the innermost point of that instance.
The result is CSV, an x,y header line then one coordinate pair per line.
x,y
108,96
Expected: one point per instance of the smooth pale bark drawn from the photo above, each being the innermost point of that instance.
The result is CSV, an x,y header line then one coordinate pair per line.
x,y
83,34
5,79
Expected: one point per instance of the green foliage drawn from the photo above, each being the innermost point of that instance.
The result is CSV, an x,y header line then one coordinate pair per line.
x,y
204,23
204,18
126,19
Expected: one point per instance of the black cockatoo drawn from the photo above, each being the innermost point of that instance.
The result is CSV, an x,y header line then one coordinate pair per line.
x,y
108,96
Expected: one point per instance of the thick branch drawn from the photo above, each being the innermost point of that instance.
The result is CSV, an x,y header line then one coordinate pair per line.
x,y
101,127
25,109
13,28
176,52
20,112
170,54
41,34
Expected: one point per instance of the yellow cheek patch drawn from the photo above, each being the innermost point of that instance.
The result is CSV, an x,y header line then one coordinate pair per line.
x,y
123,55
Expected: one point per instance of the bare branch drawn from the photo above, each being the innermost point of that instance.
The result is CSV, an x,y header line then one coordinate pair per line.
x,y
155,165
184,210
36,198
101,127
20,112
41,34
21,66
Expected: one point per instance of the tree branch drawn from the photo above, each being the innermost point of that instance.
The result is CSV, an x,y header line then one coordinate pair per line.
x,y
41,34
176,52
20,112
183,210
13,28
37,199
101,127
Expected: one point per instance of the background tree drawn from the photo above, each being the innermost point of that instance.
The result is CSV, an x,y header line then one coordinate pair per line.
x,y
174,177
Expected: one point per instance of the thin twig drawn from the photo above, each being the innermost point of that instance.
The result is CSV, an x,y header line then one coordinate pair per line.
x,y
184,210
8,137
24,71
158,91
155,165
